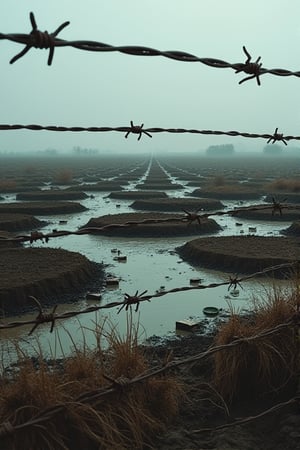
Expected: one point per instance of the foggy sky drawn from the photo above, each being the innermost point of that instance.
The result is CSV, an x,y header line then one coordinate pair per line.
x,y
110,89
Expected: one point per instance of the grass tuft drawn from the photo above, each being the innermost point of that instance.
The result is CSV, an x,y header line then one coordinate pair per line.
x,y
260,367
129,417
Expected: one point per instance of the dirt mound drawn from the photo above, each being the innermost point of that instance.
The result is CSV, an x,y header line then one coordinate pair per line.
x,y
42,272
159,186
177,204
293,230
241,254
173,227
227,193
265,213
51,194
131,195
16,222
42,208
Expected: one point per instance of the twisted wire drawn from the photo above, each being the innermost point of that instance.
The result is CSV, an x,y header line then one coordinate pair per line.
x,y
148,131
132,223
38,39
53,317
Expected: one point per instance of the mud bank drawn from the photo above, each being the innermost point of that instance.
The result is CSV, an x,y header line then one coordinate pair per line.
x,y
175,227
17,222
242,254
48,274
177,204
42,208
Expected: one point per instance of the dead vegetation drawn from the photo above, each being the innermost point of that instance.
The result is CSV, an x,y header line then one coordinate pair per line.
x,y
284,185
77,415
260,367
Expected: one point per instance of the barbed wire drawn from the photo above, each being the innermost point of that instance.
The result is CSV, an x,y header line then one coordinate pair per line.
x,y
138,129
134,300
188,217
45,40
242,421
8,427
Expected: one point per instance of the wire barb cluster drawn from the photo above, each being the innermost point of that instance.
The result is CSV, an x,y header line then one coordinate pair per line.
x,y
253,68
137,129
39,39
234,282
42,317
135,299
277,137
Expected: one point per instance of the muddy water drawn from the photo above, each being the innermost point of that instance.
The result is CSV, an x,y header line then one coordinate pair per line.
x,y
152,264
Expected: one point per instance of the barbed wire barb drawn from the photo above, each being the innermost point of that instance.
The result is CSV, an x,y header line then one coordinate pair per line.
x,y
42,317
39,39
234,282
135,299
191,217
277,206
137,129
254,68
277,137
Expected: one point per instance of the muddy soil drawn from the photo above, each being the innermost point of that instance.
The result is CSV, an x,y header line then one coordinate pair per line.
x,y
47,274
202,409
242,254
17,222
159,229
177,204
42,208
287,213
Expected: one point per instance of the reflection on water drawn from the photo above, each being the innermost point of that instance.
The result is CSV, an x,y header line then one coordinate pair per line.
x,y
151,264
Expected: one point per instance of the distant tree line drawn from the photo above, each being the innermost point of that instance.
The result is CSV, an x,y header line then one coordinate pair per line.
x,y
84,151
220,150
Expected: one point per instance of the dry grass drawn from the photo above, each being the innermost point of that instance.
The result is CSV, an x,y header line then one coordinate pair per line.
x,y
127,418
263,366
285,184
219,180
7,184
64,176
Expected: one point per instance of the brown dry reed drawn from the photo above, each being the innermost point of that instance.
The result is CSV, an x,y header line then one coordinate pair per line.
x,y
261,367
64,176
127,418
285,184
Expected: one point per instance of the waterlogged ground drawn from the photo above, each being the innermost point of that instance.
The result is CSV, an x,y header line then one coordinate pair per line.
x,y
152,264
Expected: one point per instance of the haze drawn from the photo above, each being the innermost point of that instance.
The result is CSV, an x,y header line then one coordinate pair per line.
x,y
111,89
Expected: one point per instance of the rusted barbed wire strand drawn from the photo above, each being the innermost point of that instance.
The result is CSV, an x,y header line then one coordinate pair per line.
x,y
8,428
188,218
45,40
130,300
138,129
242,421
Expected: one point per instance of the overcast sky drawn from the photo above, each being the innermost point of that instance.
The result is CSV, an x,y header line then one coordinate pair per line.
x,y
110,89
